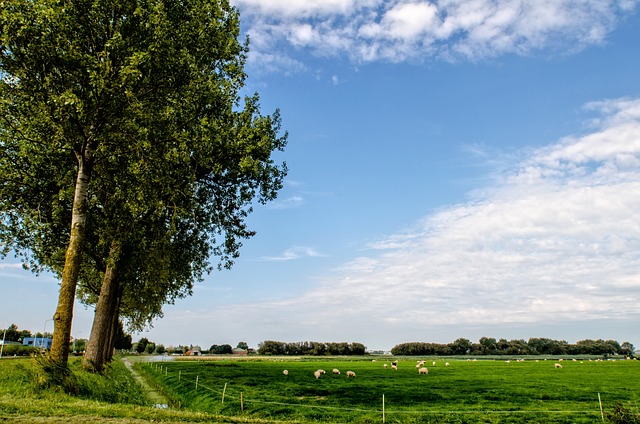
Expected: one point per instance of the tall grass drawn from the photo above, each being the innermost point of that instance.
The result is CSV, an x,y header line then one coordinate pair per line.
x,y
98,398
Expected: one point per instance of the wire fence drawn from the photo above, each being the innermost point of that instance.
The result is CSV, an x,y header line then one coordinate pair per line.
x,y
384,412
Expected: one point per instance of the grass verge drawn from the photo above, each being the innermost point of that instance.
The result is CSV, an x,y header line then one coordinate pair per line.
x,y
111,397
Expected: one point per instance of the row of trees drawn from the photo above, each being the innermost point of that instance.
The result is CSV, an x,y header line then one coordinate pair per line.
x,y
144,345
270,347
14,334
128,156
534,346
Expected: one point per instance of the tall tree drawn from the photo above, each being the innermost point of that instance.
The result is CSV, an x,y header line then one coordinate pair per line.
x,y
123,118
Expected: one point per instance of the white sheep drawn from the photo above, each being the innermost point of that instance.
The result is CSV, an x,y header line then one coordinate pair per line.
x,y
433,363
558,365
336,371
446,364
394,367
322,371
317,374
351,374
385,365
285,372
423,370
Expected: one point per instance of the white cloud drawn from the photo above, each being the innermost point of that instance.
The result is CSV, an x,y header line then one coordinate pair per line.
x,y
555,242
288,203
295,252
304,8
400,30
403,21
7,265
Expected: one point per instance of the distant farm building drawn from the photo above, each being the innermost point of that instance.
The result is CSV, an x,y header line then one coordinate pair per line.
x,y
193,352
41,342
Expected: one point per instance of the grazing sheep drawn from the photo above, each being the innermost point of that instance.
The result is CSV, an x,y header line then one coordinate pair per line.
x,y
395,363
421,363
317,374
423,370
336,371
394,367
558,365
285,372
433,363
446,364
351,374
385,365
322,371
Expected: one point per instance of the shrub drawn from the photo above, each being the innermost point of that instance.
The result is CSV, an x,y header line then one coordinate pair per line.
x,y
17,350
621,415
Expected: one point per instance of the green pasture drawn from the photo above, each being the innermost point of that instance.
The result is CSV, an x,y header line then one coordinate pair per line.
x,y
483,391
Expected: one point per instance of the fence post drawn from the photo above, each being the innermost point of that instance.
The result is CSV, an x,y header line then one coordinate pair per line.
x,y
383,417
241,402
197,376
601,410
223,391
179,375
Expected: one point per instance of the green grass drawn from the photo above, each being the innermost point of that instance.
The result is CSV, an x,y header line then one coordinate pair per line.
x,y
112,397
483,391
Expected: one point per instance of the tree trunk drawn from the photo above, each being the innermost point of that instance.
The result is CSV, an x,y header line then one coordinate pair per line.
x,y
110,346
73,260
96,354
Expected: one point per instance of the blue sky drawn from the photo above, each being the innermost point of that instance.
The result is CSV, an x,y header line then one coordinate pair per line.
x,y
457,169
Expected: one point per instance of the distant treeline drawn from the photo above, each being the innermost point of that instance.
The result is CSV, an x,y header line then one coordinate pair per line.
x,y
535,346
270,347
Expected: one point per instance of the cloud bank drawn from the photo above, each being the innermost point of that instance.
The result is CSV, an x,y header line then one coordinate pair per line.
x,y
414,30
555,240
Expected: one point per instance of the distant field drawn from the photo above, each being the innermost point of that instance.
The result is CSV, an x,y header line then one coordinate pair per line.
x,y
483,391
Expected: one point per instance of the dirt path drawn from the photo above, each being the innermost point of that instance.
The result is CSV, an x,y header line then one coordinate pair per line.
x,y
158,400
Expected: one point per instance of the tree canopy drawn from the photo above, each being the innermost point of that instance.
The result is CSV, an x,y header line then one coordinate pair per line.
x,y
534,346
123,118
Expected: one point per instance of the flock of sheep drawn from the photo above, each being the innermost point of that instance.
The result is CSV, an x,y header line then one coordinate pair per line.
x,y
350,374
394,366
318,373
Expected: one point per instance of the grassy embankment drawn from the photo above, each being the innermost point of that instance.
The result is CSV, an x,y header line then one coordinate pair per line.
x,y
113,397
484,391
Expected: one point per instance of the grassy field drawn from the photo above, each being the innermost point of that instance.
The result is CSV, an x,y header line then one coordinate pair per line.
x,y
483,391
256,391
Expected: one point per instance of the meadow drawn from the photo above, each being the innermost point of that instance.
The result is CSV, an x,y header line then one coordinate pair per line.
x,y
467,391
255,390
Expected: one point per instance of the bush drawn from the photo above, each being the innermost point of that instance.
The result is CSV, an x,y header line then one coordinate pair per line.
x,y
621,415
18,350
